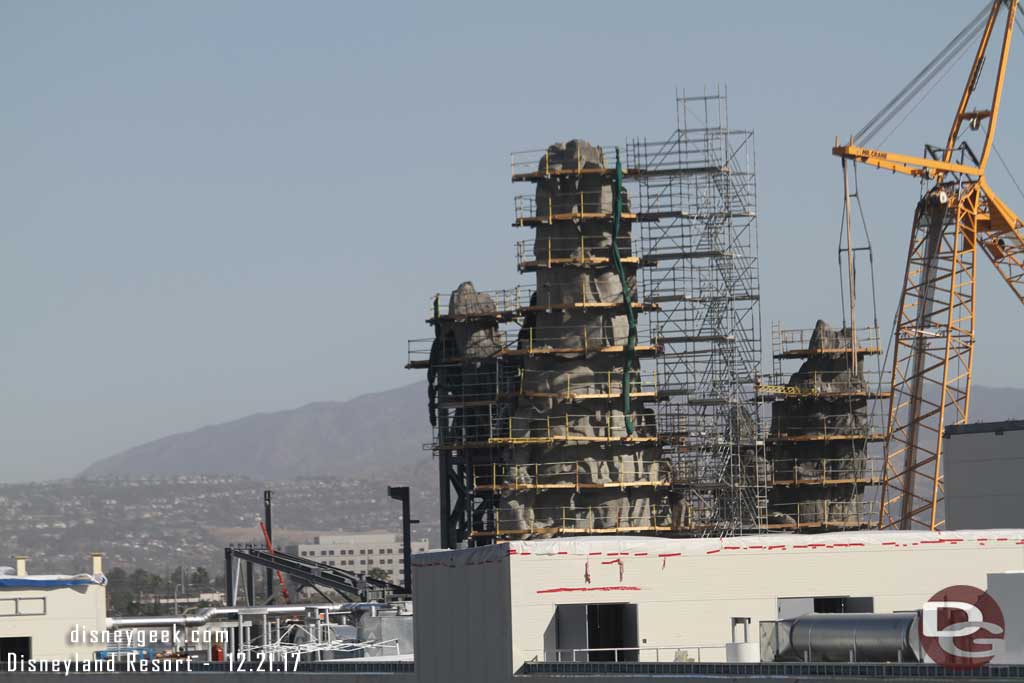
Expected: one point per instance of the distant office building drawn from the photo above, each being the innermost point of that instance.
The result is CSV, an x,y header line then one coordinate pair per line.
x,y
360,552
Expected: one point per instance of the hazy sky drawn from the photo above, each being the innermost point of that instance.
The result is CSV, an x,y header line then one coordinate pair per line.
x,y
210,209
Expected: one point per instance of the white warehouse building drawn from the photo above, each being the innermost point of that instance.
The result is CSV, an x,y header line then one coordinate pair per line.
x,y
482,613
46,617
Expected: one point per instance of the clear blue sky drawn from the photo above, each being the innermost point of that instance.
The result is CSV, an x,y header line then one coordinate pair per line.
x,y
211,209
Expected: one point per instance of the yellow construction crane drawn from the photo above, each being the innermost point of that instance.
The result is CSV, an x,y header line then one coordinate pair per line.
x,y
934,330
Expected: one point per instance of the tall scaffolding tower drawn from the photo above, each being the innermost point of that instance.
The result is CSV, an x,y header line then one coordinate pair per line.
x,y
697,210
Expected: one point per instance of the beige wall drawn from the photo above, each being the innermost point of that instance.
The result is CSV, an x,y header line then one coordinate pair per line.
x,y
481,613
688,600
85,606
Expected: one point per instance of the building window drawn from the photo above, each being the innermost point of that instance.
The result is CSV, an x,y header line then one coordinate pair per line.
x,y
22,607
789,608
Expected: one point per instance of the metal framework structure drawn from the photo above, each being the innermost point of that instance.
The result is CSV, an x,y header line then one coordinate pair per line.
x,y
934,335
696,203
681,389
821,428
469,400
303,571
311,641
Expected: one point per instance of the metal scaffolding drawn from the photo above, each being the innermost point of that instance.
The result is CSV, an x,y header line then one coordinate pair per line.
x,y
822,427
696,204
553,412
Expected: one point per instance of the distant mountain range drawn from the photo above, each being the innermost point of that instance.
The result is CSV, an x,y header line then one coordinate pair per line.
x,y
376,436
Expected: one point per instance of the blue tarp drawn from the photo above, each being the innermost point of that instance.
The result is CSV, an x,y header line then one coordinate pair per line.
x,y
51,581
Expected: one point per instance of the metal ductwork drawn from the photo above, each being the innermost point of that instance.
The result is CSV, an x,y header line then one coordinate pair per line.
x,y
842,638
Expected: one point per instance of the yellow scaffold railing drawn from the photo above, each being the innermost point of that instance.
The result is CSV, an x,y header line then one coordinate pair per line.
x,y
573,475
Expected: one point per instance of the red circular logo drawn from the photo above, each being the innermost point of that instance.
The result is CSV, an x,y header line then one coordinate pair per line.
x,y
961,627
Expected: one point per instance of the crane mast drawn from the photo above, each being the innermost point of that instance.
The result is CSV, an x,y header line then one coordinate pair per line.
x,y
934,329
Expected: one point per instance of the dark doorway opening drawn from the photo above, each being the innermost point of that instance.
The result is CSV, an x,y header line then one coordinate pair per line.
x,y
611,632
20,647
597,633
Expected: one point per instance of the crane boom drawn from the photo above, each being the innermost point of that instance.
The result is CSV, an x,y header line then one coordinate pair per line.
x,y
1002,240
934,333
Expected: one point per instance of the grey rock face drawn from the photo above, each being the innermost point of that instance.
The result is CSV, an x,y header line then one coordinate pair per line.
x,y
833,403
572,327
475,334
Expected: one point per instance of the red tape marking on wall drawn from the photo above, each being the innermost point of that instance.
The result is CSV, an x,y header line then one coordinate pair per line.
x,y
588,589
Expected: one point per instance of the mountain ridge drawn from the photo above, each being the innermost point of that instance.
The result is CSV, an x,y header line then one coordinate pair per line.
x,y
377,436
380,434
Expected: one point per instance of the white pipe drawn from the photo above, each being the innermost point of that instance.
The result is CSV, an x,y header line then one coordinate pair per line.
x,y
207,613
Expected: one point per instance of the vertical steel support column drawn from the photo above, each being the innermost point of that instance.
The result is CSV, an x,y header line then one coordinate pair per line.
x,y
448,538
250,584
229,577
401,493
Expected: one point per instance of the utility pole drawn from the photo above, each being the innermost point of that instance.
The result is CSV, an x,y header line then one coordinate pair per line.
x,y
401,493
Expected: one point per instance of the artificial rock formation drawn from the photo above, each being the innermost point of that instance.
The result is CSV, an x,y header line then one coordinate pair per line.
x,y
463,366
820,437
562,439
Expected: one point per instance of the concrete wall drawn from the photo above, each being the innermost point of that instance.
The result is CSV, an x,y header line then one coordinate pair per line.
x,y
1007,589
687,601
484,612
84,606
462,622
984,480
